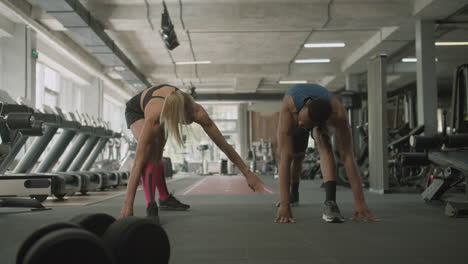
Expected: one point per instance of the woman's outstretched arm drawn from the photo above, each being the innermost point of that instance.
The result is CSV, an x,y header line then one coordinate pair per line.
x,y
213,132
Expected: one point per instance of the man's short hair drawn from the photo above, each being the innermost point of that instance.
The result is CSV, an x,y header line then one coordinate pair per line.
x,y
319,110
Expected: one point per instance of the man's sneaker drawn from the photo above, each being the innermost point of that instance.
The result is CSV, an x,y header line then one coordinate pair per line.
x,y
152,212
331,213
293,199
172,204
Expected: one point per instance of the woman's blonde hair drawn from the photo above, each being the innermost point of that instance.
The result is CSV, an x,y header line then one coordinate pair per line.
x,y
174,113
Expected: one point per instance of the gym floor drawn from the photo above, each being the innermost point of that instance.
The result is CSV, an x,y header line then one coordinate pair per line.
x,y
229,227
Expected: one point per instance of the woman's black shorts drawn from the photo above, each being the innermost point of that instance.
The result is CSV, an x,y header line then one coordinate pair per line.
x,y
133,111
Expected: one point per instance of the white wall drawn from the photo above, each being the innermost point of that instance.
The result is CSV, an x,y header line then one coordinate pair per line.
x,y
16,64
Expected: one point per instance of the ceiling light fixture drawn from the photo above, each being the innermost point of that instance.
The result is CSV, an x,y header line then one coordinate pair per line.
x,y
409,60
325,45
313,61
413,59
192,62
119,68
451,43
292,82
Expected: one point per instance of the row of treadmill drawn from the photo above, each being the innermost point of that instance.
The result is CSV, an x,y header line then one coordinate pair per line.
x,y
67,146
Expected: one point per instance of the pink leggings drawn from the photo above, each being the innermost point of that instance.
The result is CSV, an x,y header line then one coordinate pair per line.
x,y
158,180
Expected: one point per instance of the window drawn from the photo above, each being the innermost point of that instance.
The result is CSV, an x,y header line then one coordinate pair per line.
x,y
47,86
53,89
50,79
218,112
227,126
113,114
225,117
51,97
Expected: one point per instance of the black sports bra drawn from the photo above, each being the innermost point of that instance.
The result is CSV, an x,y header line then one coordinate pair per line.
x,y
149,94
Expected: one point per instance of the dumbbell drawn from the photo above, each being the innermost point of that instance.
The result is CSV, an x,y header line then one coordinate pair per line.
x,y
457,141
131,240
63,243
413,159
436,142
426,142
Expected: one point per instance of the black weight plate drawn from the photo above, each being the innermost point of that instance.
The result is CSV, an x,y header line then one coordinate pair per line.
x,y
138,240
38,234
95,223
71,246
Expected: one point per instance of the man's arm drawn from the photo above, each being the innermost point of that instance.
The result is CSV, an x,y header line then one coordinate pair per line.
x,y
285,152
345,146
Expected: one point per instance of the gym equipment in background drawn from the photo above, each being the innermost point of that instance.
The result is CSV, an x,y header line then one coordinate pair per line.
x,y
446,154
311,165
203,170
17,122
52,121
263,160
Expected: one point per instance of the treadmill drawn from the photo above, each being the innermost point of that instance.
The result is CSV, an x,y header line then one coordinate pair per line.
x,y
78,151
92,148
116,177
17,122
115,145
53,121
69,130
61,184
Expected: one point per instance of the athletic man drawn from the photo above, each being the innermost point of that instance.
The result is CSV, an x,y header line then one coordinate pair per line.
x,y
311,109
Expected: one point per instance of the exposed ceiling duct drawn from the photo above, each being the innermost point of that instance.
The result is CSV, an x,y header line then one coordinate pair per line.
x,y
83,27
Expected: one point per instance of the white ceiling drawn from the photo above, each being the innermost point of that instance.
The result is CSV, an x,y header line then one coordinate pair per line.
x,y
252,43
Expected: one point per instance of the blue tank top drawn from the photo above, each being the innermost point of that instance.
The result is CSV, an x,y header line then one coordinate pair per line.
x,y
300,92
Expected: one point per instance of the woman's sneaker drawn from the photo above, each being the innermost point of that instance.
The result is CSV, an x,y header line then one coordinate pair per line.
x,y
152,212
172,204
331,213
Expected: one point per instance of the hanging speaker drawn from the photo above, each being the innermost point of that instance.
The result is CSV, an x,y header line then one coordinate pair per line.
x,y
167,30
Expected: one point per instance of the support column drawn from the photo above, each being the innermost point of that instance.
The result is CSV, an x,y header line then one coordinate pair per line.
x,y
250,129
426,76
377,102
31,43
352,84
242,129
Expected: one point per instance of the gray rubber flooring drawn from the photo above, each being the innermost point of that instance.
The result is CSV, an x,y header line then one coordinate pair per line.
x,y
239,229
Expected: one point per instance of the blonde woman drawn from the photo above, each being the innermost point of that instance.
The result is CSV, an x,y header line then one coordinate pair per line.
x,y
152,116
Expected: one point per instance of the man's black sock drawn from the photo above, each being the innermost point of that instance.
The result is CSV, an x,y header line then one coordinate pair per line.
x,y
330,191
295,188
